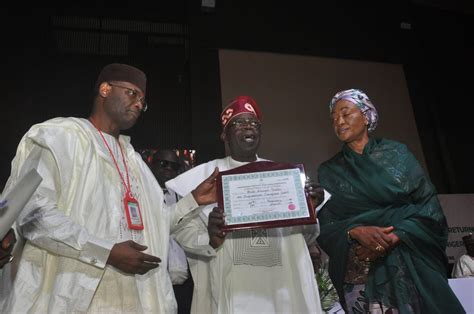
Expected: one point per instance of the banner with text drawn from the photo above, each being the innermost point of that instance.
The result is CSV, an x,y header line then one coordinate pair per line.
x,y
459,211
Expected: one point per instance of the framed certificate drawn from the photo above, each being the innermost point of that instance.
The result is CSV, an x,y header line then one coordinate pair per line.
x,y
264,194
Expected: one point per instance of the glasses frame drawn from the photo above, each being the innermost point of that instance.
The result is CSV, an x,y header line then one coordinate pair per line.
x,y
133,93
241,123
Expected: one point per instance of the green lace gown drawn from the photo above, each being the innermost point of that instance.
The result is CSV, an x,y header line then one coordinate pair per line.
x,y
386,186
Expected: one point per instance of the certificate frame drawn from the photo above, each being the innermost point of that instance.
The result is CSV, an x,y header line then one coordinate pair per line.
x,y
265,170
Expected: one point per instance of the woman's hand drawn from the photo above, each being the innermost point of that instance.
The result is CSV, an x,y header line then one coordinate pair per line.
x,y
375,239
315,191
395,239
365,254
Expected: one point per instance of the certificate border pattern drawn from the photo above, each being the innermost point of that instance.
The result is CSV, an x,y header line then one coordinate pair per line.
x,y
301,199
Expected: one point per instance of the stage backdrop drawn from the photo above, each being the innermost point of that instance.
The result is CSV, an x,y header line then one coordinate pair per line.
x,y
294,92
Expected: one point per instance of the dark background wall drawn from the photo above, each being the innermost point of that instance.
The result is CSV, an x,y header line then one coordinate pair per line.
x,y
51,57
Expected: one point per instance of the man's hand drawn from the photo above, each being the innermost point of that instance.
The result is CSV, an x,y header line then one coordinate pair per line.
x,y
214,225
127,257
315,191
6,248
205,193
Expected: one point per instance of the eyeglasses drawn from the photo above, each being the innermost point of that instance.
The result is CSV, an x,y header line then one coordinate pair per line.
x,y
241,123
165,164
133,93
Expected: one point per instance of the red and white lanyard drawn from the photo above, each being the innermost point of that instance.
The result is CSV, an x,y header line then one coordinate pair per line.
x,y
132,209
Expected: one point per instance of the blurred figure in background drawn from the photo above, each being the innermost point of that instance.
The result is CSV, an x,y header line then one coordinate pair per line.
x,y
464,267
166,164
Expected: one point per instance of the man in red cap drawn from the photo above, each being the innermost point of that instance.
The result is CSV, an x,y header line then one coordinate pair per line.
x,y
251,271
96,229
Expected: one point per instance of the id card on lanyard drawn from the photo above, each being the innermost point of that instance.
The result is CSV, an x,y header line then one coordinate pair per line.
x,y
130,204
132,212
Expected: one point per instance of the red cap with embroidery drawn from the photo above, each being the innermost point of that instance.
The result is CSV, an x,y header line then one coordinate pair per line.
x,y
238,106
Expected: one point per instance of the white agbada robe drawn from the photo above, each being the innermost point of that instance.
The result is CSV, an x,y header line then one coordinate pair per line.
x,y
77,215
261,271
464,267
177,262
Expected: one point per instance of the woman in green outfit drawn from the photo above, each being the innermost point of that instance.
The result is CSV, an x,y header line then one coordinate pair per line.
x,y
383,228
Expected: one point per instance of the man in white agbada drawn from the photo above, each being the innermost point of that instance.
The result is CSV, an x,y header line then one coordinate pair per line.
x,y
252,271
96,231
464,267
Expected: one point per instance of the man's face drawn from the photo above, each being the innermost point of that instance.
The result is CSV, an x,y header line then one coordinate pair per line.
x,y
166,166
243,135
123,104
470,247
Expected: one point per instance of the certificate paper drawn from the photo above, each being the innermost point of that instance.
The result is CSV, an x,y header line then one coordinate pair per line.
x,y
264,194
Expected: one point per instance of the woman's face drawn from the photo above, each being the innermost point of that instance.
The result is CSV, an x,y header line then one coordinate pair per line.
x,y
348,121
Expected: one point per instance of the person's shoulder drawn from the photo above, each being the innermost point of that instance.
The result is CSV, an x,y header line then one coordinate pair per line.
x,y
390,142
336,159
64,123
58,130
465,257
194,170
210,162
188,180
384,144
205,168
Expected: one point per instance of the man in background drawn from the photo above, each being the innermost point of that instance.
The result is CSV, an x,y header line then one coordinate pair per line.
x,y
166,165
464,267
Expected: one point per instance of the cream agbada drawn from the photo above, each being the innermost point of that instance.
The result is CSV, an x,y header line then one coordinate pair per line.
x,y
76,216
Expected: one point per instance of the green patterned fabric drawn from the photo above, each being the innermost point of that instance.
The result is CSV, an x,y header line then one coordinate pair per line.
x,y
386,186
